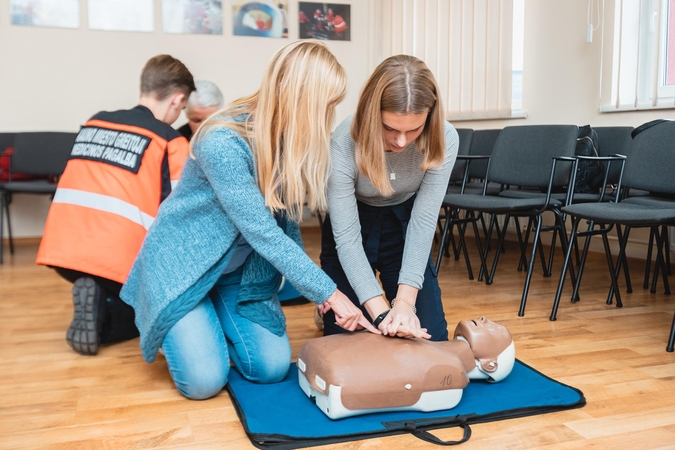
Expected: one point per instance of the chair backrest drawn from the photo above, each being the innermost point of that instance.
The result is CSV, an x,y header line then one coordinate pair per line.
x,y
650,165
465,139
42,153
482,144
613,141
522,155
6,141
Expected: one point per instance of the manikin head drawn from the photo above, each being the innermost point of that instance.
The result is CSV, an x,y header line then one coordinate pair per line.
x,y
492,347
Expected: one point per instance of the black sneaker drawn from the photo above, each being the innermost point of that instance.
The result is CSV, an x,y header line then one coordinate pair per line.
x,y
84,333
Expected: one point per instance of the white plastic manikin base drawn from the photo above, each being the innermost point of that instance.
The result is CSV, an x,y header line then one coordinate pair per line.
x,y
331,403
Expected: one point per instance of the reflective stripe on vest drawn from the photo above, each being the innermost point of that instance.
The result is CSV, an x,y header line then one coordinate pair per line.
x,y
104,203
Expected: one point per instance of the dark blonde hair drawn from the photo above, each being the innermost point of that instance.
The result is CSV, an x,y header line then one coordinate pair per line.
x,y
401,84
163,75
288,125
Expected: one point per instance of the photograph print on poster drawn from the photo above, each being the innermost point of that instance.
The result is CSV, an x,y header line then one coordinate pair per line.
x,y
45,13
262,18
122,15
192,16
327,21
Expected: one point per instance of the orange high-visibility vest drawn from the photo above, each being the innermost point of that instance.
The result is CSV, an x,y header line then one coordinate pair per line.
x,y
122,166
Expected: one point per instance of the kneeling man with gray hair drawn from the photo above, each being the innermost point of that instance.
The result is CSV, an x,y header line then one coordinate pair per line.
x,y
203,102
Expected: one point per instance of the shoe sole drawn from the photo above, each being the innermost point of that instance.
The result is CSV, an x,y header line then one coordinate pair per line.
x,y
82,335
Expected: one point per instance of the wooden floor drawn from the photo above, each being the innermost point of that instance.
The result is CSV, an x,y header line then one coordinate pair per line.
x,y
51,397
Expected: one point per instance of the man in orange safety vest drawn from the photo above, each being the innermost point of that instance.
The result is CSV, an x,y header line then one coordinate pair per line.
x,y
122,166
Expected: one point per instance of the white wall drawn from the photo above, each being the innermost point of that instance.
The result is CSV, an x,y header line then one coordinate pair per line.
x,y
561,71
54,79
561,81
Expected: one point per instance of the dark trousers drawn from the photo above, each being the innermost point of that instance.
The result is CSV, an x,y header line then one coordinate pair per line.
x,y
118,319
383,232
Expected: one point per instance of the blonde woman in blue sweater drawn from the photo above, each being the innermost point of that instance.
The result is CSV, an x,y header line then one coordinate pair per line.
x,y
204,283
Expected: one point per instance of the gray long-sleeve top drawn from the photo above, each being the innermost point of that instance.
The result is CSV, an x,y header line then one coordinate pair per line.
x,y
346,185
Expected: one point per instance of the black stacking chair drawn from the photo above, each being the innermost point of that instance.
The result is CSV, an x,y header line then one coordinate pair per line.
x,y
650,167
35,153
522,156
611,141
618,139
456,177
465,140
469,181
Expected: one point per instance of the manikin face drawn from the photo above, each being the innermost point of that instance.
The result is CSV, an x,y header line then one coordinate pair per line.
x,y
196,114
486,338
400,130
491,344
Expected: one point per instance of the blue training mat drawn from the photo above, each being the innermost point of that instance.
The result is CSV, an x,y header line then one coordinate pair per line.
x,y
281,416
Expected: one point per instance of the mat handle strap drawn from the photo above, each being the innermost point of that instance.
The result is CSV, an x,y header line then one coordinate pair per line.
x,y
428,437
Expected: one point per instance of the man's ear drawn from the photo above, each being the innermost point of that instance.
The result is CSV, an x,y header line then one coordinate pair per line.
x,y
177,100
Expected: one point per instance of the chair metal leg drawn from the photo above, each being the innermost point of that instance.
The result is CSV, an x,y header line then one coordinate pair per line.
x,y
648,262
451,236
612,273
530,268
666,284
671,340
9,225
560,219
667,243
489,278
660,265
582,263
461,227
488,237
624,262
480,249
576,250
563,274
467,261
445,231
522,243
542,257
460,244
441,246
621,260
559,227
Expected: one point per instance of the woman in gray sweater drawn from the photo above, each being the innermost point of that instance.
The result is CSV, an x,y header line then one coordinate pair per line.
x,y
391,164
204,283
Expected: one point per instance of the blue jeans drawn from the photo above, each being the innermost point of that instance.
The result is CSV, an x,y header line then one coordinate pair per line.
x,y
199,347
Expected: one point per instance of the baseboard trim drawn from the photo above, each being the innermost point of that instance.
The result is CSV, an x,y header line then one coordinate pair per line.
x,y
22,241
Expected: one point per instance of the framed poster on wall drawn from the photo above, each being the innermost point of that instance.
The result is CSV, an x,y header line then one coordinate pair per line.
x,y
262,18
121,15
327,21
45,13
192,16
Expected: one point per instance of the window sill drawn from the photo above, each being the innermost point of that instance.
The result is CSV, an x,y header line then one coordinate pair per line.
x,y
520,114
628,108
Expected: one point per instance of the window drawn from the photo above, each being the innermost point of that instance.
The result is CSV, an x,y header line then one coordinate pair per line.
x,y
473,47
643,56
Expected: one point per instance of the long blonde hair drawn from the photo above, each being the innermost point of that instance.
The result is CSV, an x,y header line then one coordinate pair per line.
x,y
288,125
404,85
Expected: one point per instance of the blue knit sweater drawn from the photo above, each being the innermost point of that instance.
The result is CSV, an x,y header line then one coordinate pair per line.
x,y
195,234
